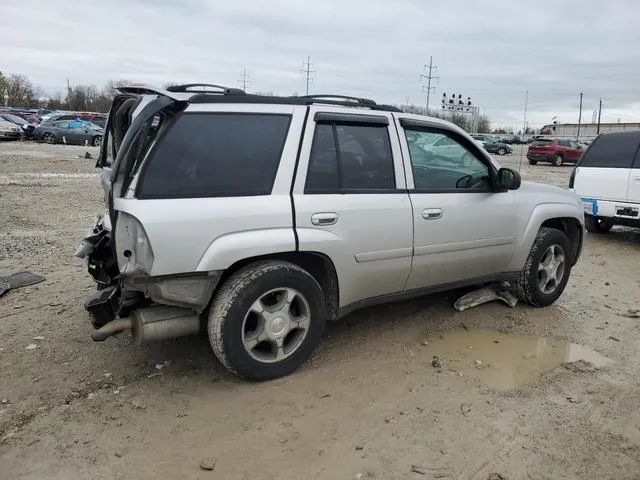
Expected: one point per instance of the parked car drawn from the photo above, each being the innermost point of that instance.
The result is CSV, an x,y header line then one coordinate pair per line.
x,y
70,132
260,218
492,145
95,118
25,127
554,150
9,130
607,179
511,140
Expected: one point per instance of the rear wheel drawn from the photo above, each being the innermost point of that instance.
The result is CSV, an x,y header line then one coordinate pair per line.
x,y
502,151
533,162
97,141
596,224
266,320
547,270
49,138
558,160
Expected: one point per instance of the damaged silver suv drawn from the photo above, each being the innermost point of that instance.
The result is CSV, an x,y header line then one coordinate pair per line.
x,y
257,219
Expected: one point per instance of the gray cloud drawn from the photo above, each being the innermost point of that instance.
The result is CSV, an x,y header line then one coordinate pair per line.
x,y
493,51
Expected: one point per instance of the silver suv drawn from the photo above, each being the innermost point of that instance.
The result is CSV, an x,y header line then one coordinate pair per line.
x,y
257,219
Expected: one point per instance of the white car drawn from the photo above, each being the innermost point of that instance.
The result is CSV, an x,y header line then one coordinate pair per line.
x,y
607,180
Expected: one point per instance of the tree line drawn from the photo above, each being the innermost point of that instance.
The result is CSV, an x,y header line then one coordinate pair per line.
x,y
468,122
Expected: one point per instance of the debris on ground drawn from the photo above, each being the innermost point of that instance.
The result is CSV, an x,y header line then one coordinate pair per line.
x,y
18,280
465,408
580,366
496,476
432,472
631,313
615,339
31,346
87,155
436,362
38,337
498,291
208,464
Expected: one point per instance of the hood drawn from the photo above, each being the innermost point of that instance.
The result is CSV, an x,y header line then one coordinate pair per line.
x,y
551,193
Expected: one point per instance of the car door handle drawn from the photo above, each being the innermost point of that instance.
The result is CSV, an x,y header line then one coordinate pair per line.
x,y
432,213
637,179
324,219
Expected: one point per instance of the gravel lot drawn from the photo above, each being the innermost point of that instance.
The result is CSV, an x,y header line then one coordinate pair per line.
x,y
369,404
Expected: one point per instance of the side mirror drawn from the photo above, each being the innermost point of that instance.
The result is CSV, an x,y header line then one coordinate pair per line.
x,y
508,179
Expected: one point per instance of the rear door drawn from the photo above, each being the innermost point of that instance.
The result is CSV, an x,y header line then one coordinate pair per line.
x,y
463,229
604,170
351,202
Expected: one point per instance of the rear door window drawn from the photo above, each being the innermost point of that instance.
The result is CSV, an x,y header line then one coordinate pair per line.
x,y
541,143
612,151
216,155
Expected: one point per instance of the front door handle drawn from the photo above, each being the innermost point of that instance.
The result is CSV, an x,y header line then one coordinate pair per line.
x,y
432,213
324,219
637,179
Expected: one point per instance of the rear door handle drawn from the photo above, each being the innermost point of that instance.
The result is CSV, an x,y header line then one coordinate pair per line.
x,y
637,179
432,213
324,219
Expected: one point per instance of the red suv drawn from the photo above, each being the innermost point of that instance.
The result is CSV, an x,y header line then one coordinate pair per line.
x,y
554,150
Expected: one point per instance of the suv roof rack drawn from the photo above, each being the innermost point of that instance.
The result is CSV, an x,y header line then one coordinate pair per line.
x,y
223,90
338,100
362,101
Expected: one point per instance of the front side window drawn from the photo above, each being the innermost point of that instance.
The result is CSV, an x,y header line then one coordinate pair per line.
x,y
216,155
350,158
440,162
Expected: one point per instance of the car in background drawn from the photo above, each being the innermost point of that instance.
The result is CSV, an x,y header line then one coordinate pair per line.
x,y
95,118
9,131
26,127
70,133
607,181
492,145
556,151
513,140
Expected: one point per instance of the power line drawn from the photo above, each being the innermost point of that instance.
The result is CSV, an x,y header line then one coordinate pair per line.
x,y
306,69
244,79
428,77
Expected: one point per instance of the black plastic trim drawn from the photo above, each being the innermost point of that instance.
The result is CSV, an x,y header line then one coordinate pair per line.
x,y
409,294
293,179
350,119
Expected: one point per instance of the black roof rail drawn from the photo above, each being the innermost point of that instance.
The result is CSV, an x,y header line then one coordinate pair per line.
x,y
224,90
338,100
362,101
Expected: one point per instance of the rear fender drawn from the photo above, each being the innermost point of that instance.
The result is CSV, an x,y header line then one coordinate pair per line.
x,y
540,214
228,249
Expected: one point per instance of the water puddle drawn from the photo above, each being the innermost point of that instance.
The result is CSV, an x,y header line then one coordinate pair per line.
x,y
503,361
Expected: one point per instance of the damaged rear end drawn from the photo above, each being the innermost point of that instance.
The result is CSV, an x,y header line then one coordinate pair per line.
x,y
117,249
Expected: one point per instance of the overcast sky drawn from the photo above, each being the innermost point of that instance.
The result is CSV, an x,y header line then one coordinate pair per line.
x,y
493,51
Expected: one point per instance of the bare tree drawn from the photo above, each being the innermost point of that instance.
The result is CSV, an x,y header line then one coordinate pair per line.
x,y
20,91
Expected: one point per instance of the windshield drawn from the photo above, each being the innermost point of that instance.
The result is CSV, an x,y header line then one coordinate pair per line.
x,y
14,118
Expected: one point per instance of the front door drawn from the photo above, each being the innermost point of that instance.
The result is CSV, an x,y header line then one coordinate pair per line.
x,y
351,203
463,228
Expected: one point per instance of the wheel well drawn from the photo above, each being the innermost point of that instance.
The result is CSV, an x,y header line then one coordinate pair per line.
x,y
318,265
571,228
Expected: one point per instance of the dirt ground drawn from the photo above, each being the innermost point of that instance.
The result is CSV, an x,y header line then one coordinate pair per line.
x,y
369,404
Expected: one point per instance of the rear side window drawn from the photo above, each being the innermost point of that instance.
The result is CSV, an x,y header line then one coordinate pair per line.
x,y
216,155
542,143
354,158
612,151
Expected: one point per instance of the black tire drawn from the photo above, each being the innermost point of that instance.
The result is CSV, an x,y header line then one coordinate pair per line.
x,y
527,287
557,160
533,162
502,151
596,225
96,141
49,138
231,305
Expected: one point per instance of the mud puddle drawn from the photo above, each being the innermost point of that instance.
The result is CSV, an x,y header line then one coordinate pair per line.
x,y
502,361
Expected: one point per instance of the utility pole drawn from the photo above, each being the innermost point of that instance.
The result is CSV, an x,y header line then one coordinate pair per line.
x,y
308,72
524,127
244,79
599,113
579,118
428,77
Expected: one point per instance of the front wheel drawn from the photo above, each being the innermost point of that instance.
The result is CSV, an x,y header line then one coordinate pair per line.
x,y
533,162
547,270
266,320
558,160
596,225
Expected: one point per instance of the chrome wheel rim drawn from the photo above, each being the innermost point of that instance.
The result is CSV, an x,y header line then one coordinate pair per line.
x,y
276,325
551,269
49,138
97,141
